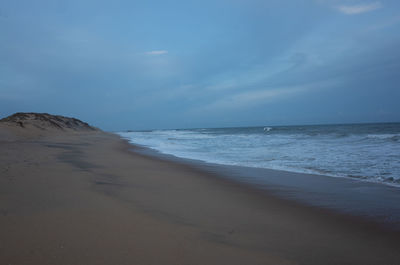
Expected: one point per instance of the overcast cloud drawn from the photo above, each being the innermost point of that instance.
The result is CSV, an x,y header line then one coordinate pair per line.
x,y
178,64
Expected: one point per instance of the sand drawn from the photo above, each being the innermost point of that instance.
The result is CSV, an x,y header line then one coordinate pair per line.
x,y
86,198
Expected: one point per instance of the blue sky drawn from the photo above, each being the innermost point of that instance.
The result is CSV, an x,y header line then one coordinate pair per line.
x,y
184,64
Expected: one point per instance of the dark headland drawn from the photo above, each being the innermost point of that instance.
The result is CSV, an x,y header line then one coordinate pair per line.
x,y
73,194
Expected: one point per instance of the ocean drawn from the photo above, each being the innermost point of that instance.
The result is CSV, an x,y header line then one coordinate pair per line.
x,y
367,152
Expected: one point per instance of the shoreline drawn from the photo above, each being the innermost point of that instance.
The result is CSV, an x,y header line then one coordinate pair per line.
x,y
88,199
172,157
372,201
366,152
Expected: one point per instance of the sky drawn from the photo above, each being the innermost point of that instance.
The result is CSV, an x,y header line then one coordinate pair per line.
x,y
193,64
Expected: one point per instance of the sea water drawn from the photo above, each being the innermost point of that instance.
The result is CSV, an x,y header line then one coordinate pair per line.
x,y
368,152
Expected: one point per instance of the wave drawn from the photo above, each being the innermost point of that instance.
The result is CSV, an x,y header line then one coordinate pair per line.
x,y
355,152
392,137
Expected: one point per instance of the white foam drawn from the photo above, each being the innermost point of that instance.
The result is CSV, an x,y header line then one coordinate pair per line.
x,y
309,152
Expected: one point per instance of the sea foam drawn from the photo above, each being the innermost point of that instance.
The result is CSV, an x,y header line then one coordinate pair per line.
x,y
369,152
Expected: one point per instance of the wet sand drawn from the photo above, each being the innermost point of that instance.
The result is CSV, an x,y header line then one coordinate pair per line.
x,y
85,198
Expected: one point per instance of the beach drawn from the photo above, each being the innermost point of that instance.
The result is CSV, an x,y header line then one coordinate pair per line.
x,y
200,132
87,198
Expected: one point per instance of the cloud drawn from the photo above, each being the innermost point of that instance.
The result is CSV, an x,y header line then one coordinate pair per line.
x,y
160,52
358,9
251,98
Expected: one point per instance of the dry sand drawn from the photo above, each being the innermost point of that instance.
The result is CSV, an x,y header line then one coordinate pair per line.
x,y
85,198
